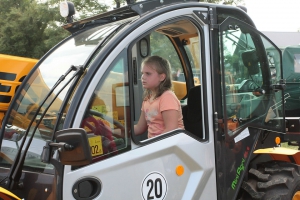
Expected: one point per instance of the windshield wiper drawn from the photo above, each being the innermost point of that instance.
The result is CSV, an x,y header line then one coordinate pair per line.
x,y
16,169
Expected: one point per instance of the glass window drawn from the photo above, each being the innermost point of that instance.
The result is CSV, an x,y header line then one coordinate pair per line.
x,y
291,73
161,45
247,79
107,118
73,51
192,49
178,41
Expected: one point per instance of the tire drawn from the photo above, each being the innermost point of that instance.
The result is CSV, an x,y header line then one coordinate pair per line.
x,y
274,180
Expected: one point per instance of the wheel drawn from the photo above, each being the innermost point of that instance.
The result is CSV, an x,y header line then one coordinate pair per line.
x,y
274,180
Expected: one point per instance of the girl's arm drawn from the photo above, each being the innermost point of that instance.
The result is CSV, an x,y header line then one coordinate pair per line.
x,y
170,118
141,126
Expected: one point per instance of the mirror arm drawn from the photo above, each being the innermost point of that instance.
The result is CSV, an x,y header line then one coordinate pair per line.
x,y
46,158
62,146
51,146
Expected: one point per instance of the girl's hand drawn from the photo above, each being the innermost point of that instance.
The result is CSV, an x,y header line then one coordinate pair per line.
x,y
141,126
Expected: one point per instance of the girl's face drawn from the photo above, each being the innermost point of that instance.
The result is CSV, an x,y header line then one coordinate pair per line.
x,y
150,78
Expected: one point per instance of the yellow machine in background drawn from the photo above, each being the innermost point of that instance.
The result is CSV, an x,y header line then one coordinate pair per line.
x,y
13,71
7,195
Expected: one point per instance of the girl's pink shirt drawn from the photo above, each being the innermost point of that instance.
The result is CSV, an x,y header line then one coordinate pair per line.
x,y
153,112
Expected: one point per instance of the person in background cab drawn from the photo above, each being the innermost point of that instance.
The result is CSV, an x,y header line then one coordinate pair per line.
x,y
161,110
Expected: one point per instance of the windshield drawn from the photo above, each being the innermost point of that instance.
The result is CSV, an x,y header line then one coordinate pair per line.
x,y
74,51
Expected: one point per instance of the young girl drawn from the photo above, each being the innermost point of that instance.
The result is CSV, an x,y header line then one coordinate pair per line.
x,y
161,110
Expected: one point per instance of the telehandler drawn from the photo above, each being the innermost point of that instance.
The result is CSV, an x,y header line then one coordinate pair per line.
x,y
58,137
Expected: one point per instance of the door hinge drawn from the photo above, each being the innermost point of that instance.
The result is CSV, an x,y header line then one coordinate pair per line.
x,y
203,15
213,19
217,121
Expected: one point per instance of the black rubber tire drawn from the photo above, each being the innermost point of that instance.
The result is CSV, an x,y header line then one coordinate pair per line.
x,y
274,180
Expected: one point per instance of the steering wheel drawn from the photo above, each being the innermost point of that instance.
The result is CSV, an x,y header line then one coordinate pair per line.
x,y
248,86
108,118
99,128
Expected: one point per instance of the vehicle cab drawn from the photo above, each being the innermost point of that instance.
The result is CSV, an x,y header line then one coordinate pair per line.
x,y
60,128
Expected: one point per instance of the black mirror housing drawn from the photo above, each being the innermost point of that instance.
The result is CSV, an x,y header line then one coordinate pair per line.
x,y
81,153
250,61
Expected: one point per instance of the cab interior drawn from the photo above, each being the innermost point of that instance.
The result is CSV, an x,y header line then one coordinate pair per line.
x,y
119,96
180,42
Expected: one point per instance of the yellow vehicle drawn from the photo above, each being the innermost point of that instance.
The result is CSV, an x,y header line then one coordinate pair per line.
x,y
13,71
7,195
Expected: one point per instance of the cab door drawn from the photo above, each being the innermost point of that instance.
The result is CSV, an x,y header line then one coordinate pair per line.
x,y
252,82
252,99
176,165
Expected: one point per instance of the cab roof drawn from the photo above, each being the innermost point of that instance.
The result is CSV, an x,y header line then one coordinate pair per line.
x,y
131,10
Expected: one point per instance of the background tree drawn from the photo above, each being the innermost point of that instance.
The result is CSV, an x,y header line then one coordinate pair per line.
x,y
162,48
84,8
118,3
30,28
227,2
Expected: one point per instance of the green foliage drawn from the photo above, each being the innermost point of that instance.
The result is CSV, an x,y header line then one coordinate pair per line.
x,y
161,46
22,29
84,8
118,3
29,28
227,2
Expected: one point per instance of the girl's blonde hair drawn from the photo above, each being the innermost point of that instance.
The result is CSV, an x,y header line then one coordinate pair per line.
x,y
162,66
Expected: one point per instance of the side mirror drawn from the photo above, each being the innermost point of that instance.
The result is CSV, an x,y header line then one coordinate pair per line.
x,y
79,153
250,61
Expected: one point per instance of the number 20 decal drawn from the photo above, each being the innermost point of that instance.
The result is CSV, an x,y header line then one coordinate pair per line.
x,y
154,186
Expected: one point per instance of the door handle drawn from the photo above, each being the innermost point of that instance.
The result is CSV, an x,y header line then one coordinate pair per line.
x,y
86,188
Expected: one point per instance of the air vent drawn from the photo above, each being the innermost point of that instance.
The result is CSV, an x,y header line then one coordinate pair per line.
x,y
5,99
7,76
4,88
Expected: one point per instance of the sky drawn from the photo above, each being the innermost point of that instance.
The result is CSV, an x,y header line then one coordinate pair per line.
x,y
275,15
